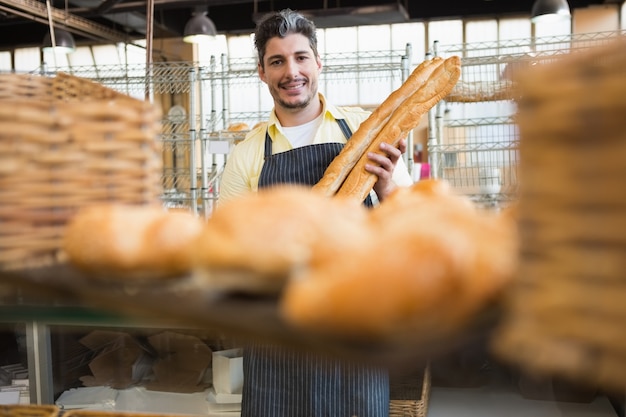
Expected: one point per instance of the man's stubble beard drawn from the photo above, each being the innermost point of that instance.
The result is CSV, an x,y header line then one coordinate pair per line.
x,y
299,105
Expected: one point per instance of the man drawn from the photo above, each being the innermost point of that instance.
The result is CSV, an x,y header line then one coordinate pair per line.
x,y
290,66
304,133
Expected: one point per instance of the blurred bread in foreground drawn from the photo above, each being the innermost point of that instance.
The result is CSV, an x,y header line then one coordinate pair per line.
x,y
253,243
117,241
434,260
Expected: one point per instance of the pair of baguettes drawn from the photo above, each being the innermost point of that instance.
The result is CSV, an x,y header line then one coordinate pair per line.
x,y
401,112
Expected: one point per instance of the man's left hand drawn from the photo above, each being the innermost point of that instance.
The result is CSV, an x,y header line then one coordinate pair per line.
x,y
382,165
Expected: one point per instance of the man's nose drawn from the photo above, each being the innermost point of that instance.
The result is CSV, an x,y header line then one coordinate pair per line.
x,y
293,68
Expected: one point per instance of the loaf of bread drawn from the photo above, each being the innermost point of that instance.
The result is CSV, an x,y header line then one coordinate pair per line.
x,y
361,139
406,117
238,127
117,241
260,124
433,262
254,242
433,203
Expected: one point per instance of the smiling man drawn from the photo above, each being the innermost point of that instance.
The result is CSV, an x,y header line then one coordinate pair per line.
x,y
290,69
303,135
302,122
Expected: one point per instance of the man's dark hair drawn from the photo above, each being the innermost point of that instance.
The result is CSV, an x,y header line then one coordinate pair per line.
x,y
281,24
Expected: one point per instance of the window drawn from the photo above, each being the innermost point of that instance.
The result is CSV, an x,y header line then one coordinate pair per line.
x,y
481,31
5,61
413,34
28,60
510,29
446,32
550,28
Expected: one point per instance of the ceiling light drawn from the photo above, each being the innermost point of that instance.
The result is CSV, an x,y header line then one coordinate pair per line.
x,y
549,10
199,28
63,42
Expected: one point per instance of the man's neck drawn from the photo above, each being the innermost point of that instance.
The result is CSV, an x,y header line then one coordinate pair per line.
x,y
297,117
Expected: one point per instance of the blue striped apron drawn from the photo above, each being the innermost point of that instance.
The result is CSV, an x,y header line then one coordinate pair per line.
x,y
283,382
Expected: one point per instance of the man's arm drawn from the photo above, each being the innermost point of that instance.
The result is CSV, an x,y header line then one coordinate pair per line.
x,y
234,180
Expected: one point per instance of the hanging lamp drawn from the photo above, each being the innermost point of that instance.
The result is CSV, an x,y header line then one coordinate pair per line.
x,y
199,28
63,41
56,39
549,10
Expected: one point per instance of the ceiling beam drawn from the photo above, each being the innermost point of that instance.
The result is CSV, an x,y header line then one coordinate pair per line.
x,y
134,6
105,6
35,10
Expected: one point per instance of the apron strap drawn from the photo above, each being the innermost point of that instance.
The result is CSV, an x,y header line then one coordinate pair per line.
x,y
268,145
345,129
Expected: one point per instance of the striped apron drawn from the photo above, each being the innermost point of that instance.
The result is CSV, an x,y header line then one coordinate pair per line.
x,y
281,382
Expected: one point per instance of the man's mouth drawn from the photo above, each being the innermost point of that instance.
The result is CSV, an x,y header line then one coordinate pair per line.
x,y
293,86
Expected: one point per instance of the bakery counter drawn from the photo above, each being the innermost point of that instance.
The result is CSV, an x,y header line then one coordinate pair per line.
x,y
61,294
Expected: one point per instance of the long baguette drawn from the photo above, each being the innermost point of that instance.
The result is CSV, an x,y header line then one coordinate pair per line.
x,y
340,167
359,182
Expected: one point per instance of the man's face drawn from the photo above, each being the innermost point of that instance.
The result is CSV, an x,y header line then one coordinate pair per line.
x,y
290,71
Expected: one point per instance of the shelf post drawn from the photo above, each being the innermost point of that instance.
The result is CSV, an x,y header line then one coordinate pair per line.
x,y
39,363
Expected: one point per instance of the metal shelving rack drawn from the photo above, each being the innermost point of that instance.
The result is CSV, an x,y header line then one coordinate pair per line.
x,y
191,174
473,139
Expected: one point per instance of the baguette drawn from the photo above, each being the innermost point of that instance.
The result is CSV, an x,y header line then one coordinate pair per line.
x,y
359,182
340,167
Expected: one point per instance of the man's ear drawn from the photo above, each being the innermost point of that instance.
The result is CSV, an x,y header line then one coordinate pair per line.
x,y
319,64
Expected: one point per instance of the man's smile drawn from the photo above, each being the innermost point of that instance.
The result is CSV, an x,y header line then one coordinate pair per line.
x,y
294,86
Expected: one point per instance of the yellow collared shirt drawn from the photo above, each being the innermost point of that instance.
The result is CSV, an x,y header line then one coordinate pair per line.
x,y
244,163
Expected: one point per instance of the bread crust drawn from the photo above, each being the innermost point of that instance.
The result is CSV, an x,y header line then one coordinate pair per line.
x,y
340,167
443,78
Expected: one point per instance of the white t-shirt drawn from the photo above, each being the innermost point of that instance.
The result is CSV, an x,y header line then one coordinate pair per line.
x,y
304,134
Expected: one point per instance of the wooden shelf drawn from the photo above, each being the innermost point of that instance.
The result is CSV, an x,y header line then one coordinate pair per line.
x,y
61,294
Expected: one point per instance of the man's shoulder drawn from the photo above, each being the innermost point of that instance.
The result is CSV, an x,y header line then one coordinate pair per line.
x,y
250,144
352,109
255,134
353,113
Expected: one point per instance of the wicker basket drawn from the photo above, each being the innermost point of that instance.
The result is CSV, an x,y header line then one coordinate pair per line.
x,y
67,142
566,315
15,410
409,394
100,413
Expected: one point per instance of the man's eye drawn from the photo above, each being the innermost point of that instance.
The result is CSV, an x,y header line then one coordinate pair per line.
x,y
275,62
